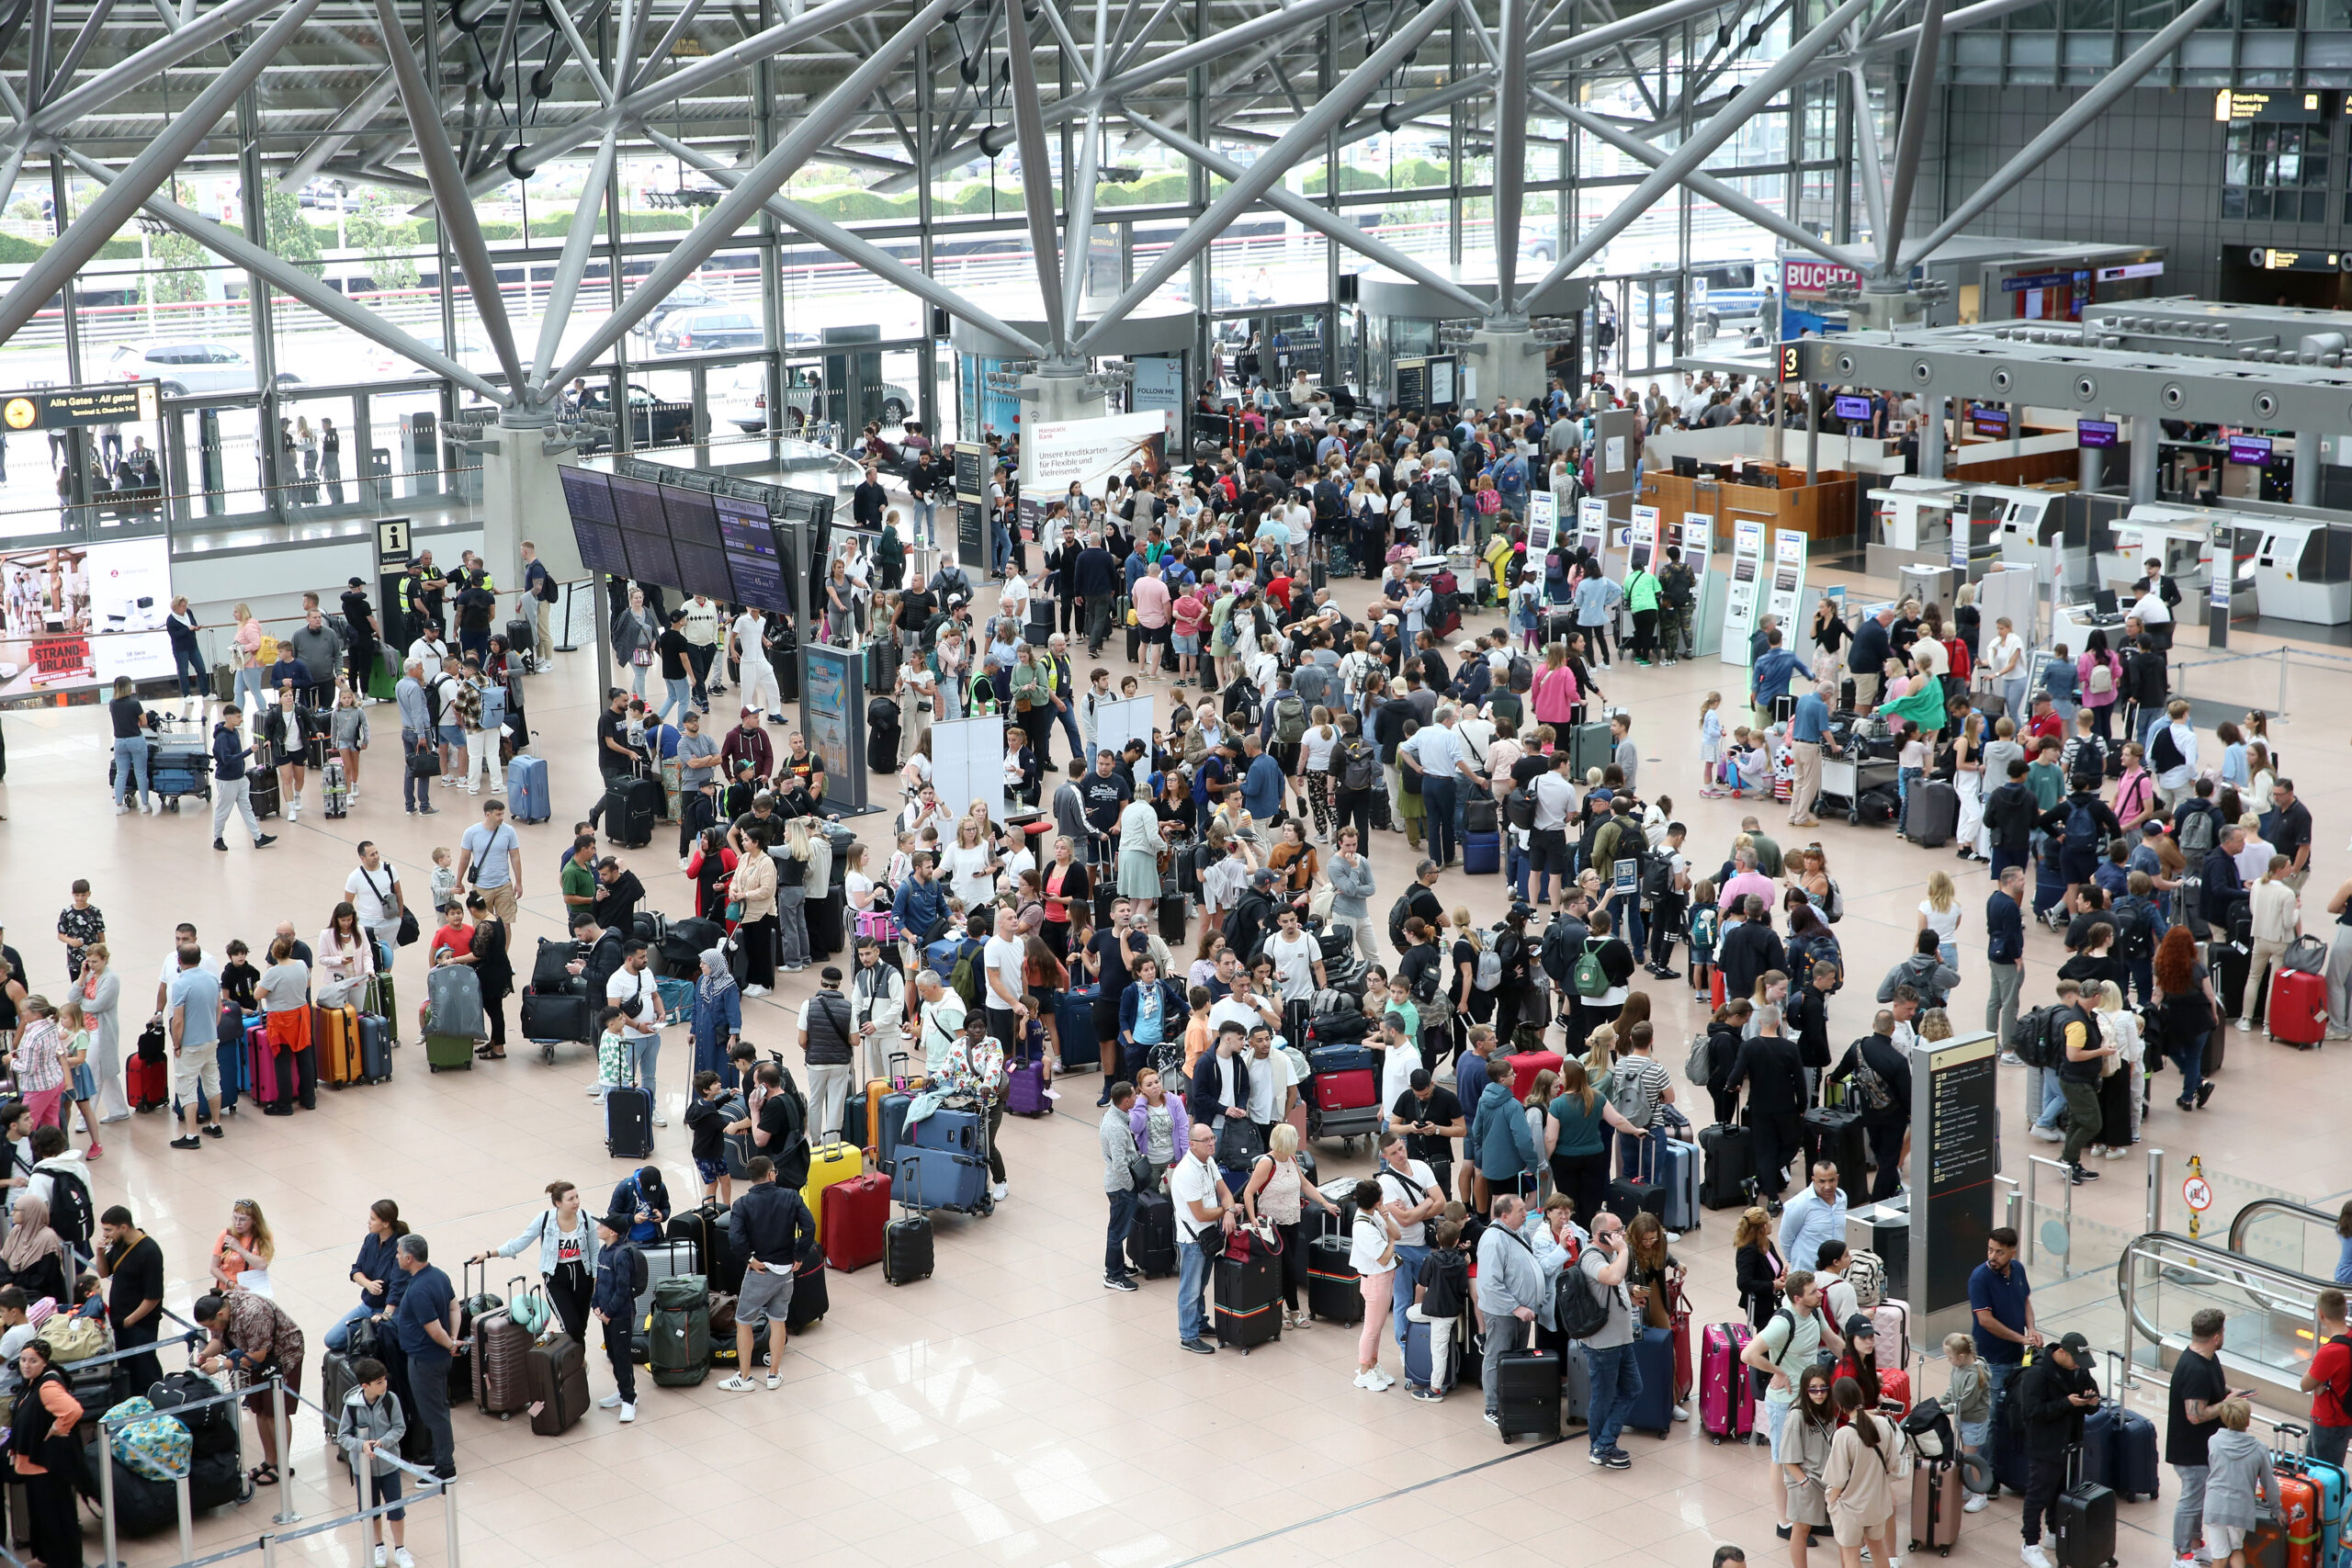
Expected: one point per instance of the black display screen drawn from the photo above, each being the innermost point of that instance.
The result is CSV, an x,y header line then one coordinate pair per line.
x,y
693,516
637,506
702,569
754,563
651,558
588,496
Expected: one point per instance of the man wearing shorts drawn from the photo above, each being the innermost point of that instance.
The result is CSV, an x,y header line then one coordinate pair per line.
x,y
775,1230
1784,1347
193,1016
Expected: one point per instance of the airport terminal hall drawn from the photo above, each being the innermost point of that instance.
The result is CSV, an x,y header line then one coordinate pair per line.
x,y
1230,783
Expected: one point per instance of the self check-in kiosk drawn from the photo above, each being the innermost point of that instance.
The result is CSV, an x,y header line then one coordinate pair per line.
x,y
2031,528
1640,548
1747,589
1698,540
1786,596
2302,571
1592,528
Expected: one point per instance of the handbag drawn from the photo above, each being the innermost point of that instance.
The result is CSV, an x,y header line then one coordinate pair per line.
x,y
734,911
1139,1171
410,930
1256,1239
424,762
641,657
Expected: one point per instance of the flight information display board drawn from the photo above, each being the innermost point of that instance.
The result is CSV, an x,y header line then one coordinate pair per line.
x,y
588,495
754,561
645,531
694,535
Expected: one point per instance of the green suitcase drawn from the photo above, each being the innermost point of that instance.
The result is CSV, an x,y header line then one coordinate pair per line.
x,y
448,1051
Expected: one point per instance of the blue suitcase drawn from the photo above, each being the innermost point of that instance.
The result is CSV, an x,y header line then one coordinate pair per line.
x,y
1678,1172
894,1128
1482,854
1081,1045
955,1132
2120,1451
1348,1058
526,788
1417,1357
1653,1409
937,1178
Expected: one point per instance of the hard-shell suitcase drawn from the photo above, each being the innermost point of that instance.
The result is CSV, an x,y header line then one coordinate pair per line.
x,y
2120,1451
1627,1197
1590,746
1420,1369
1527,1394
1837,1137
955,1132
890,1129
2228,963
1726,1166
1938,1504
628,1122
631,807
1678,1172
1482,853
375,1049
150,1084
1333,1290
334,1032
1653,1410
2297,1007
712,1231
906,1249
334,792
828,1162
453,1000
448,1051
856,1212
557,1371
1248,1298
1726,1394
1934,814
2082,1522
260,1065
811,1300
1151,1244
938,1179
1575,1386
1526,1064
1025,1090
501,1353
1892,1319
1081,1044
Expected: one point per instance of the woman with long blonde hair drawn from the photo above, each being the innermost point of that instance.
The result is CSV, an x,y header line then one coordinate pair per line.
x,y
1939,912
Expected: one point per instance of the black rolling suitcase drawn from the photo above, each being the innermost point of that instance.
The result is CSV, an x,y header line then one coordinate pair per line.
x,y
1249,1299
631,808
2082,1522
1837,1137
628,1122
1527,1394
1151,1245
2228,963
1727,1165
1934,814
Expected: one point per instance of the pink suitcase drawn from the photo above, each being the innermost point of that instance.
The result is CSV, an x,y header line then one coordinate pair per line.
x,y
1727,1394
1893,1341
260,1065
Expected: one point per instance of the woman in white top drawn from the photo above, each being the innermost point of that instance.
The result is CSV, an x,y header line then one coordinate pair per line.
x,y
1939,912
1315,751
969,866
2119,1028
1373,1251
857,889
1012,600
346,955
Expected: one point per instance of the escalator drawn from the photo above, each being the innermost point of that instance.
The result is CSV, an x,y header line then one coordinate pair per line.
x,y
2266,1280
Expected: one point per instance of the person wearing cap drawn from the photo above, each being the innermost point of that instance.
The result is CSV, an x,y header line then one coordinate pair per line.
x,y
359,617
748,639
747,742
620,1266
2054,1394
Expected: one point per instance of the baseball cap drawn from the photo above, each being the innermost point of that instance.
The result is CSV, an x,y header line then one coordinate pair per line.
x,y
747,713
1263,879
1860,1326
2075,1345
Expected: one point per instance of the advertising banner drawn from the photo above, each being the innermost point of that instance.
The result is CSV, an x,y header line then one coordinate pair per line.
x,y
75,617
1090,452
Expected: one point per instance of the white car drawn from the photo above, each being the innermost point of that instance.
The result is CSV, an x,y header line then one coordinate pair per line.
x,y
744,404
194,365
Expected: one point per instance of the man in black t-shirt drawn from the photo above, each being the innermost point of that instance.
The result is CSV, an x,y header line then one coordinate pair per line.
x,y
1430,1118
135,1301
615,757
2289,829
1106,791
129,716
2192,1417
677,668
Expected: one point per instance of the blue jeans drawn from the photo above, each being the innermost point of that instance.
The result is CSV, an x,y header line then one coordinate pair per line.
x,y
1000,545
415,791
1625,918
339,1331
678,694
926,511
647,1052
2013,694
1192,1278
1616,1383
2190,1059
1905,780
1115,1241
187,664
130,770
1409,1270
1517,863
2053,1099
1437,801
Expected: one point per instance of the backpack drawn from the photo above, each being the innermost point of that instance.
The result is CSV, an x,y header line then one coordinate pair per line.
x,y
1833,907
2082,829
1523,673
965,978
1867,1273
1241,705
1359,767
2195,833
71,1213
1489,974
1399,913
2163,751
1870,1086
1589,981
1519,809
2134,930
1582,1311
1290,721
1698,1066
1553,953
1631,1093
2102,677
2034,1036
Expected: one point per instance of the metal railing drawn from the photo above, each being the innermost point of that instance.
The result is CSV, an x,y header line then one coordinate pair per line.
x,y
2162,1258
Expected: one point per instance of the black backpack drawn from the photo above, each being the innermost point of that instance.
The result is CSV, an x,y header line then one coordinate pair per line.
x,y
2163,751
1399,913
71,1213
2035,1039
2134,929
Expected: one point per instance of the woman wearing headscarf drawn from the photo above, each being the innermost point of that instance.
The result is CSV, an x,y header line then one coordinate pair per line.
x,y
719,1016
101,993
646,1200
32,1254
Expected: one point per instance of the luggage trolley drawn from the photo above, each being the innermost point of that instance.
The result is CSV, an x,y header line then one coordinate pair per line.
x,y
1848,779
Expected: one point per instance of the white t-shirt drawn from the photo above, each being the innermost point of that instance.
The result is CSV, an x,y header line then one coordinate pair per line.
x,y
1227,1010
1317,746
1295,964
1270,1085
1396,1069
1944,924
1369,1240
1393,1189
1192,1181
1014,599
368,891
624,987
1003,959
1840,1297
747,631
2004,649
209,963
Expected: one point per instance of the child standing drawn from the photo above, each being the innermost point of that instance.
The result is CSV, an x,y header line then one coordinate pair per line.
x,y
706,1125
614,1056
82,1084
1711,744
445,879
1704,919
1440,1291
369,1429
1970,1399
2239,1487
1910,767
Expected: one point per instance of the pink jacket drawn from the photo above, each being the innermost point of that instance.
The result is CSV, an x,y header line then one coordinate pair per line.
x,y
1556,696
2091,699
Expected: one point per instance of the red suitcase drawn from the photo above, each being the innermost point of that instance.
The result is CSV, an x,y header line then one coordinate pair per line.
x,y
2297,1007
1526,1064
151,1084
260,1065
1351,1090
850,1229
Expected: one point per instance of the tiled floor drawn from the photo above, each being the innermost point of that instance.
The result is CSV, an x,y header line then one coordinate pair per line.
x,y
1008,1410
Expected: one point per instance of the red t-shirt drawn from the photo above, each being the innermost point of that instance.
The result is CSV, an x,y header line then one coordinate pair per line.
x,y
1278,590
2045,726
2332,1367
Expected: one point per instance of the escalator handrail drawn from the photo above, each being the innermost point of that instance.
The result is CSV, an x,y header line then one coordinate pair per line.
x,y
2221,1262
2309,1215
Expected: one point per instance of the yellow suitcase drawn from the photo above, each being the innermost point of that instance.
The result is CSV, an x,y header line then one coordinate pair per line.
x,y
828,1163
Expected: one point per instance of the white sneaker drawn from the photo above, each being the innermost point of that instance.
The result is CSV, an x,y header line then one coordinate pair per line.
x,y
151,808
660,1120
2034,1557
595,1089
121,809
610,1402
1681,1414
1364,1381
775,1381
380,1554
2047,1135
629,1413
1000,1192
1383,1378
2011,1059
755,990
402,1558
1976,1503
2246,1023
738,1383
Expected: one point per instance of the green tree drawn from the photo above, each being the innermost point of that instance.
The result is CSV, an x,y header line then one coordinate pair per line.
x,y
387,264
181,262
291,235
